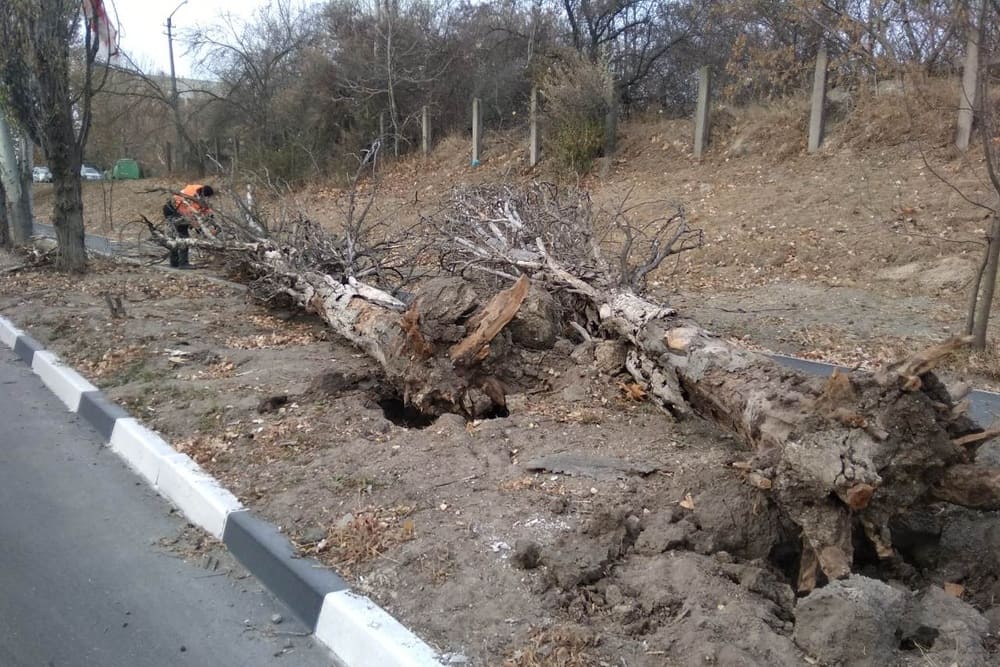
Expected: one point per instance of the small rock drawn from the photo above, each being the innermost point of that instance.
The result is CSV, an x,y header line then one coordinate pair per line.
x,y
575,393
850,621
993,617
613,596
609,356
450,423
558,506
583,353
527,554
633,526
313,534
277,618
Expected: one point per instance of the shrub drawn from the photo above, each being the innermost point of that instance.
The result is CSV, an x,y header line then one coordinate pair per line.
x,y
578,96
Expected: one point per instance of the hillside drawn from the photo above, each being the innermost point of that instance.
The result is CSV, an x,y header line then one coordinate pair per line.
x,y
854,254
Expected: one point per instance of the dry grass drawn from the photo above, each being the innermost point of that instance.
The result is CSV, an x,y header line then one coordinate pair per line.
x,y
561,646
368,534
916,108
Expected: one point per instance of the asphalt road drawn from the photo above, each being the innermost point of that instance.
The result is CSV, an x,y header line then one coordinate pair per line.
x,y
85,577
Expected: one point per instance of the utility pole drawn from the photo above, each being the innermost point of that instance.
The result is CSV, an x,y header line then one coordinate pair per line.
x,y
173,89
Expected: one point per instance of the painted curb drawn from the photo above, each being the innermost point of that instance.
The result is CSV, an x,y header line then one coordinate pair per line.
x,y
25,347
100,413
362,634
140,448
196,493
63,381
266,552
8,332
357,631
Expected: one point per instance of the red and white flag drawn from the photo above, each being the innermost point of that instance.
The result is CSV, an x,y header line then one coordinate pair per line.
x,y
102,29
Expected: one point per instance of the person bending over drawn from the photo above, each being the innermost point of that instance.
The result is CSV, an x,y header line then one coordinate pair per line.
x,y
184,211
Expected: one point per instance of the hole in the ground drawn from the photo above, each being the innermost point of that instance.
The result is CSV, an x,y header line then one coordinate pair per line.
x,y
401,414
922,639
866,560
497,412
786,555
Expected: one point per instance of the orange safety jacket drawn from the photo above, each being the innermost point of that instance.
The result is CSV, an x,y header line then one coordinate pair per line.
x,y
187,203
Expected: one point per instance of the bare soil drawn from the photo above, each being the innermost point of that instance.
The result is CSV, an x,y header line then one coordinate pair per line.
x,y
647,548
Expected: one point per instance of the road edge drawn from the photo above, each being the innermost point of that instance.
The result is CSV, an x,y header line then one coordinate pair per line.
x,y
357,631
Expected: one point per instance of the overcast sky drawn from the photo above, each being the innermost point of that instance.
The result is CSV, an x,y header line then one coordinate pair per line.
x,y
143,27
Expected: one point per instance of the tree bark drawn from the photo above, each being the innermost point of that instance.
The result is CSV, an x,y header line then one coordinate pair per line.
x,y
4,229
18,196
433,369
67,216
989,286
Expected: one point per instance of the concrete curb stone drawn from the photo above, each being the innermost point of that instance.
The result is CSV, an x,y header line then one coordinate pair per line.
x,y
355,629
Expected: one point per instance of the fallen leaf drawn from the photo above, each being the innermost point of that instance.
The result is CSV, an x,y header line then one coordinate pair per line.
x,y
688,502
953,589
633,391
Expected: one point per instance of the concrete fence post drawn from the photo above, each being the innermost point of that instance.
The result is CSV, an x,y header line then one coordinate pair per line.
x,y
702,118
425,130
477,130
817,116
533,131
967,95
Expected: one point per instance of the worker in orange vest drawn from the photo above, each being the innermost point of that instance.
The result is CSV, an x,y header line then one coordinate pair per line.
x,y
184,211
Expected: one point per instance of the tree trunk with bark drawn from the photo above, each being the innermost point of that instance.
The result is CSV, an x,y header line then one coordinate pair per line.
x,y
432,350
4,229
67,215
18,193
839,457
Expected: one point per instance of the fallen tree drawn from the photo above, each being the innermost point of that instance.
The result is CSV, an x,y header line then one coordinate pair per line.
x,y
839,457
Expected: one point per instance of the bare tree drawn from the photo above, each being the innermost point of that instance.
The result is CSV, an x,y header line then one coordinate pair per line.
x,y
984,286
258,65
37,63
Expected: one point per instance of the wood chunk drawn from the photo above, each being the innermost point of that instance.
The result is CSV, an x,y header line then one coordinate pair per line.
x,y
493,318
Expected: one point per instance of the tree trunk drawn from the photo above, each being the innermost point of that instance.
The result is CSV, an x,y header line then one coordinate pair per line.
x,y
836,456
989,287
432,352
839,457
18,196
67,216
4,229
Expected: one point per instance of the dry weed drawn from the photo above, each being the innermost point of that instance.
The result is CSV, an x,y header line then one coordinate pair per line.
x,y
367,535
561,646
112,362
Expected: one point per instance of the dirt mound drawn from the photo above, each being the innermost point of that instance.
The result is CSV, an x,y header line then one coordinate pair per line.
x,y
948,273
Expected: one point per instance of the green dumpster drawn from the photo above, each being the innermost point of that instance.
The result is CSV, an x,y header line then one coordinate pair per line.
x,y
126,169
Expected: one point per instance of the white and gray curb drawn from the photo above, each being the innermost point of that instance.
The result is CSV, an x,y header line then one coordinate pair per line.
x,y
355,629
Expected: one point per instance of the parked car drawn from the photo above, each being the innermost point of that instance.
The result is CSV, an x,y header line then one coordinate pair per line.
x,y
126,169
90,173
41,175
